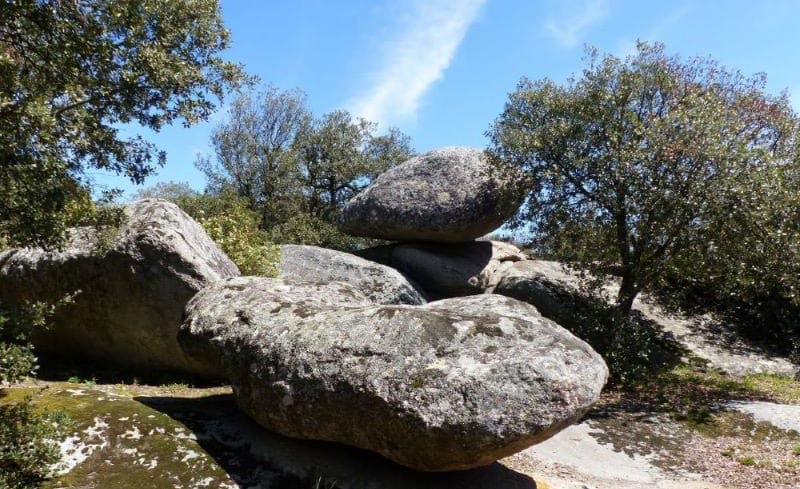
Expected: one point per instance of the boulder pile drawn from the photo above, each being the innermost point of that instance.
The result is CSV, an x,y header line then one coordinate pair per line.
x,y
345,349
339,347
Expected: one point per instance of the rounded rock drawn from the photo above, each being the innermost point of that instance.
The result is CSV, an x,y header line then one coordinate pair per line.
x,y
448,195
450,385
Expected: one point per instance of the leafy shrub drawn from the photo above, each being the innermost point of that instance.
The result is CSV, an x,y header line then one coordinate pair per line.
x,y
764,312
28,446
16,326
27,438
237,233
632,346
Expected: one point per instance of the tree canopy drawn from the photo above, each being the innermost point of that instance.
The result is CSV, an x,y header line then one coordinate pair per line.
x,y
297,170
636,163
72,72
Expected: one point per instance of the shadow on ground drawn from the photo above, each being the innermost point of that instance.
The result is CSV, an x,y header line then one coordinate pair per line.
x,y
253,456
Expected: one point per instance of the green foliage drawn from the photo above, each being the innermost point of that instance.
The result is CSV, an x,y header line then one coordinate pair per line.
x,y
633,347
633,165
28,444
16,326
748,273
70,72
27,438
297,171
229,221
236,231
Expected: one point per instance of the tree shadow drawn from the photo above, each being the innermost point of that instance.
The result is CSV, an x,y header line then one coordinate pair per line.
x,y
254,456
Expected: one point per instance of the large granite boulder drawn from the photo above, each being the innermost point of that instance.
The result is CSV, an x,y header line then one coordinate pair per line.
x,y
382,284
449,195
129,289
449,270
449,385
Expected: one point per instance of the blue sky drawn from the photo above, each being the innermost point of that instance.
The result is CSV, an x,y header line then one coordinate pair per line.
x,y
440,70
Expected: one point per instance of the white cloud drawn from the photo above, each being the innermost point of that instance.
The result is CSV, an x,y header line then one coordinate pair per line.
x,y
415,58
656,32
574,17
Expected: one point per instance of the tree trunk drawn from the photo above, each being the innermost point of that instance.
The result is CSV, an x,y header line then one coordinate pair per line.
x,y
627,293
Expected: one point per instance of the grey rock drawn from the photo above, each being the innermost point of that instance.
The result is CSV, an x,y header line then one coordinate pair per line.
x,y
448,195
382,284
449,270
129,292
284,301
548,286
449,385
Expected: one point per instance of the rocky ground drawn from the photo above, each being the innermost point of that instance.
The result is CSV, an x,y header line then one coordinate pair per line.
x,y
687,429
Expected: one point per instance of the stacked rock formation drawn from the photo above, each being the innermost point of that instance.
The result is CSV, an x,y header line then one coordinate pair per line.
x,y
339,347
344,349
437,207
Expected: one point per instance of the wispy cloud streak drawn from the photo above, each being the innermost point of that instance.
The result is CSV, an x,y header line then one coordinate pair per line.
x,y
568,26
415,58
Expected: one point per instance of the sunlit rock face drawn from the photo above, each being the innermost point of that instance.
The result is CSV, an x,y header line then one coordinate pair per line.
x,y
448,195
449,385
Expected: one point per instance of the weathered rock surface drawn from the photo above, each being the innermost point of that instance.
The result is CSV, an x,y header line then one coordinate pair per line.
x,y
129,293
241,300
448,195
546,285
382,284
449,385
449,270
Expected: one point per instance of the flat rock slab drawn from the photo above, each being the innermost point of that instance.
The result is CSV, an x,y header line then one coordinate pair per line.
x,y
381,284
447,195
129,293
576,459
450,385
783,416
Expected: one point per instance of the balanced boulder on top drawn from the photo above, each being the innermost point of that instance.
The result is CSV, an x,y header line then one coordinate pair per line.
x,y
448,195
449,385
129,292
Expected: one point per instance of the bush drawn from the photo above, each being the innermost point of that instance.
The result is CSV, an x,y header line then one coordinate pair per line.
x,y
633,347
28,439
16,352
236,232
28,446
764,312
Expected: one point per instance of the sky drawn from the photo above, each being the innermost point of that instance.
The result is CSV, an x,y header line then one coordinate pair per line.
x,y
441,70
